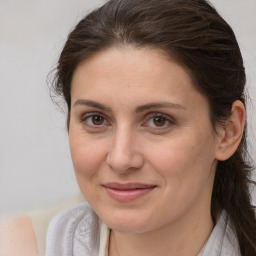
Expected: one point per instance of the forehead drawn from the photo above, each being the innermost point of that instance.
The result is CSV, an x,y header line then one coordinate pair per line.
x,y
116,63
133,75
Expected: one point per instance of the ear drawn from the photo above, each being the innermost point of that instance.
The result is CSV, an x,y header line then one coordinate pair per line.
x,y
231,134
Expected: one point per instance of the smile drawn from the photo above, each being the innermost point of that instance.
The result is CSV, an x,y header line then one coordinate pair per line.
x,y
127,192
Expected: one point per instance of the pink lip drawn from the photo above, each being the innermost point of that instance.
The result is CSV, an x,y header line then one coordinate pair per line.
x,y
127,192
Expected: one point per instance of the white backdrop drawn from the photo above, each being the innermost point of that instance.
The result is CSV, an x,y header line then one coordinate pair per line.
x,y
35,165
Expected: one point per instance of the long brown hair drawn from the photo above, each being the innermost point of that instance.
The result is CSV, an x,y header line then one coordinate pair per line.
x,y
195,35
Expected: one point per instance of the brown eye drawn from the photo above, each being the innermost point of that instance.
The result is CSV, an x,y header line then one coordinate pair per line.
x,y
97,120
159,121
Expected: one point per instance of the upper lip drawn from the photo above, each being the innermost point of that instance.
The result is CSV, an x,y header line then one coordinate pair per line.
x,y
127,186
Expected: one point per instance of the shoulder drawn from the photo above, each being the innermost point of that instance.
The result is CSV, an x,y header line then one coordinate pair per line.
x,y
18,237
26,234
70,228
70,218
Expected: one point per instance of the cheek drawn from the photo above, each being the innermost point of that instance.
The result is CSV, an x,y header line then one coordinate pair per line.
x,y
185,167
87,156
185,159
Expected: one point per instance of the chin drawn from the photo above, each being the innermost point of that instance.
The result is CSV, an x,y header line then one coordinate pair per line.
x,y
126,223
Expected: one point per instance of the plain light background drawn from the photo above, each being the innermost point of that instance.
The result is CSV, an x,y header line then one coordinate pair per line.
x,y
35,165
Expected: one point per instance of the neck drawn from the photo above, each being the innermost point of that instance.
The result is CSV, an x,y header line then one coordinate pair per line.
x,y
185,237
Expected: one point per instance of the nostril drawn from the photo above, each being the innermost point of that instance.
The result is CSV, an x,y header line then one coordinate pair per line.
x,y
121,162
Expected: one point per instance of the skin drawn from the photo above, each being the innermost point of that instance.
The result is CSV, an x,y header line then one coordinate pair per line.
x,y
125,142
19,237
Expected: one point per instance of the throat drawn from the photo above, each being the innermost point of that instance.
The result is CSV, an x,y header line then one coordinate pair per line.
x,y
123,244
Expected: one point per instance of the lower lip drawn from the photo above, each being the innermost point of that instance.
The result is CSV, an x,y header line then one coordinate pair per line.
x,y
127,195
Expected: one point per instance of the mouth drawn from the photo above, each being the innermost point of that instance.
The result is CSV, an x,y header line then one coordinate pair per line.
x,y
127,192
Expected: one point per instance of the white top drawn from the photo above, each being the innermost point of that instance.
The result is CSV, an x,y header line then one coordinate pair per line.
x,y
78,232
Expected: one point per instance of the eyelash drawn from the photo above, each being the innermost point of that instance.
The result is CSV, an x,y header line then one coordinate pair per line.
x,y
86,117
166,118
150,116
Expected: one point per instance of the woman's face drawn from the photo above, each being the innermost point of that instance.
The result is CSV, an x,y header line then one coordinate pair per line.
x,y
141,140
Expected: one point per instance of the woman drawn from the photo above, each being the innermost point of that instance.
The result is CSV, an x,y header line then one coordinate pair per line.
x,y
156,120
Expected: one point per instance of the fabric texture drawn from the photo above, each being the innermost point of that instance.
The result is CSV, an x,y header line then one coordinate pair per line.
x,y
42,217
222,240
79,232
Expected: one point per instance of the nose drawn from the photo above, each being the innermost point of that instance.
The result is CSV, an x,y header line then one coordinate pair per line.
x,y
124,154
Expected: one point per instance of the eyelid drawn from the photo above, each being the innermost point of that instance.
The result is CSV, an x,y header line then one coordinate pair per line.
x,y
91,113
160,114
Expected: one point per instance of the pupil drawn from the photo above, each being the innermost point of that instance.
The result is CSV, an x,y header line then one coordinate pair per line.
x,y
159,121
97,120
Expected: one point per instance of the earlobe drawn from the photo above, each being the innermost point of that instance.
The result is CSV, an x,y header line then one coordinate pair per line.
x,y
232,132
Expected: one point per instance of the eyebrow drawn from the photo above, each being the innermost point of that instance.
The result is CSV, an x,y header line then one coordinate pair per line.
x,y
159,105
142,108
91,103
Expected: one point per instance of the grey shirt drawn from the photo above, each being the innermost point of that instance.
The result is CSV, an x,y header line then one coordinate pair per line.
x,y
79,232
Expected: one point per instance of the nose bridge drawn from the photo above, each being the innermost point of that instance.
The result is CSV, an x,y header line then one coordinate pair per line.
x,y
124,152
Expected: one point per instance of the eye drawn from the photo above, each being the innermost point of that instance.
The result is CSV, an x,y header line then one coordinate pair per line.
x,y
97,120
159,121
94,120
